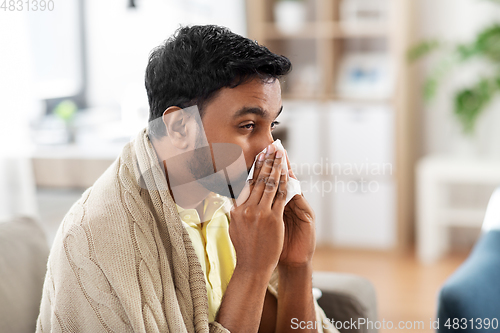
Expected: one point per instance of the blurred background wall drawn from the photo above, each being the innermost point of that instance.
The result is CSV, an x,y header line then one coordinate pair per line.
x,y
73,95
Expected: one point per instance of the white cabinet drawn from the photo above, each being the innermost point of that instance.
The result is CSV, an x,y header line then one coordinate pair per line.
x,y
360,135
302,121
361,151
343,155
364,218
304,146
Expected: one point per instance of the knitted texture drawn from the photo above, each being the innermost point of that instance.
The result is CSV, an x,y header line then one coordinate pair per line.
x,y
122,261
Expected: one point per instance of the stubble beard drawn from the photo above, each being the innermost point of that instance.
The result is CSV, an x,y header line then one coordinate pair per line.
x,y
201,166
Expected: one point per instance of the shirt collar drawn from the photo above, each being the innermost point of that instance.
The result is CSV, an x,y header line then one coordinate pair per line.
x,y
212,203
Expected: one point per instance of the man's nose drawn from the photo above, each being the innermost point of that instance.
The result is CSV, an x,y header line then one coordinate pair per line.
x,y
265,141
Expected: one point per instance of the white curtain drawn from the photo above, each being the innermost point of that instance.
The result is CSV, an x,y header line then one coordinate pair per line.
x,y
17,103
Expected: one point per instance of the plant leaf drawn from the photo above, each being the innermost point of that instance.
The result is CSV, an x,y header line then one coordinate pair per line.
x,y
488,43
66,110
422,49
467,51
440,70
471,102
430,88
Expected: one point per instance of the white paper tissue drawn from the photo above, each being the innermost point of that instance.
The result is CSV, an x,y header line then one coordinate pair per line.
x,y
293,185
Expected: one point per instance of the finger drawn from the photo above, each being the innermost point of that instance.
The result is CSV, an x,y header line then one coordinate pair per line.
x,y
280,199
256,171
247,189
290,171
264,173
303,206
272,182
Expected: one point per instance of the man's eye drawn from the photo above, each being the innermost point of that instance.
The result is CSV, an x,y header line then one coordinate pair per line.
x,y
251,126
248,126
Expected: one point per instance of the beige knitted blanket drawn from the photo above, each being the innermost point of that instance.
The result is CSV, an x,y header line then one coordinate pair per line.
x,y
122,261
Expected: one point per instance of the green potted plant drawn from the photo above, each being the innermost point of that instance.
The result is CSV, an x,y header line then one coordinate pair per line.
x,y
472,100
66,111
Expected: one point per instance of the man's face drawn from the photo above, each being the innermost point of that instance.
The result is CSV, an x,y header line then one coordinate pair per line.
x,y
243,116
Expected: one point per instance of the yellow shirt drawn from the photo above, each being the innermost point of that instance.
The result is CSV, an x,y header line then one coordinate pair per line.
x,y
212,244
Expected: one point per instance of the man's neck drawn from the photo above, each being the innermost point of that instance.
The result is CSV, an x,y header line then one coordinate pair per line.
x,y
189,194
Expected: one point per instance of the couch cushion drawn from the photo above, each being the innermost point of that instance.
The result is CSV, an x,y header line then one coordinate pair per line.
x,y
23,258
473,291
347,296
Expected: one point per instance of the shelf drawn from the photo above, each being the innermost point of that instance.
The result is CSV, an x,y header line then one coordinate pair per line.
x,y
462,217
293,96
369,30
363,99
326,41
273,33
330,30
337,98
104,151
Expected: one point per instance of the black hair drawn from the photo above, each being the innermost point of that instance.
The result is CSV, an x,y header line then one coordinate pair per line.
x,y
190,67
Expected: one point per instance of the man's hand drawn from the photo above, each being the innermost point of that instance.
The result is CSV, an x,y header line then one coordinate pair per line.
x,y
300,239
257,228
295,298
257,232
267,235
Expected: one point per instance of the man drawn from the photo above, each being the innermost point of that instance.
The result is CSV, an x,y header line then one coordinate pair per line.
x,y
168,239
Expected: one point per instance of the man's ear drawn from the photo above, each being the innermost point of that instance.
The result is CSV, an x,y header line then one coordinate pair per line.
x,y
175,120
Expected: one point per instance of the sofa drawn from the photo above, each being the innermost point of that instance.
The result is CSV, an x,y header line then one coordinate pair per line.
x,y
23,257
469,300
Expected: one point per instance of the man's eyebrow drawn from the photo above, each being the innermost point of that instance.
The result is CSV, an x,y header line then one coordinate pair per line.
x,y
251,110
254,110
279,112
